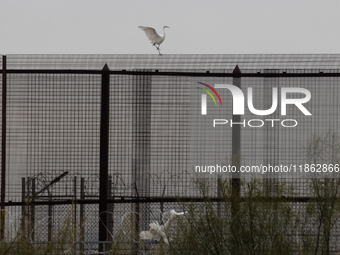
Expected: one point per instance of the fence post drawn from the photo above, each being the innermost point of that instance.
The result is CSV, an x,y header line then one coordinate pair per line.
x,y
110,216
104,155
23,200
50,217
75,214
236,141
81,215
3,147
33,211
236,161
219,195
137,228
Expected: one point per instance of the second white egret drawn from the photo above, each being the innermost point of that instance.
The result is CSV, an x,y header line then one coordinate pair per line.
x,y
158,231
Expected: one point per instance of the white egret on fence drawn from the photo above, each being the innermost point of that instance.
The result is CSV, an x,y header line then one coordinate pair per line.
x,y
154,37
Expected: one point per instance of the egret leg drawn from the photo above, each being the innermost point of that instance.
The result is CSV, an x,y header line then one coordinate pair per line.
x,y
159,50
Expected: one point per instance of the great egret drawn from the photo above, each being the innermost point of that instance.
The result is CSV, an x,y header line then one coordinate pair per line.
x,y
154,37
158,231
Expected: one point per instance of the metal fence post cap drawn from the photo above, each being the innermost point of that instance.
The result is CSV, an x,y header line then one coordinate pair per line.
x,y
106,68
237,69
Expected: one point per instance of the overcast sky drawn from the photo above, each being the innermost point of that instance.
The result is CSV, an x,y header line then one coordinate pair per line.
x,y
197,27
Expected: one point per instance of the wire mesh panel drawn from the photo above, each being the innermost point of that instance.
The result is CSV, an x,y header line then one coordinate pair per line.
x,y
194,62
52,128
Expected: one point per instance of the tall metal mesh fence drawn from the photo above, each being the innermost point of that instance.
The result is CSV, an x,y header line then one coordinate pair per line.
x,y
53,127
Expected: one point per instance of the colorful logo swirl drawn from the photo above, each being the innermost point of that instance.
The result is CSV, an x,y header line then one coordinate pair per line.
x,y
208,92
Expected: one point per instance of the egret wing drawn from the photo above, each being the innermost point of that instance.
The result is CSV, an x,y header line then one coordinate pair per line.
x,y
146,235
150,33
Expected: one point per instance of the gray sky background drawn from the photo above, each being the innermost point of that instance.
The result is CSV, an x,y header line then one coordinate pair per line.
x,y
197,27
